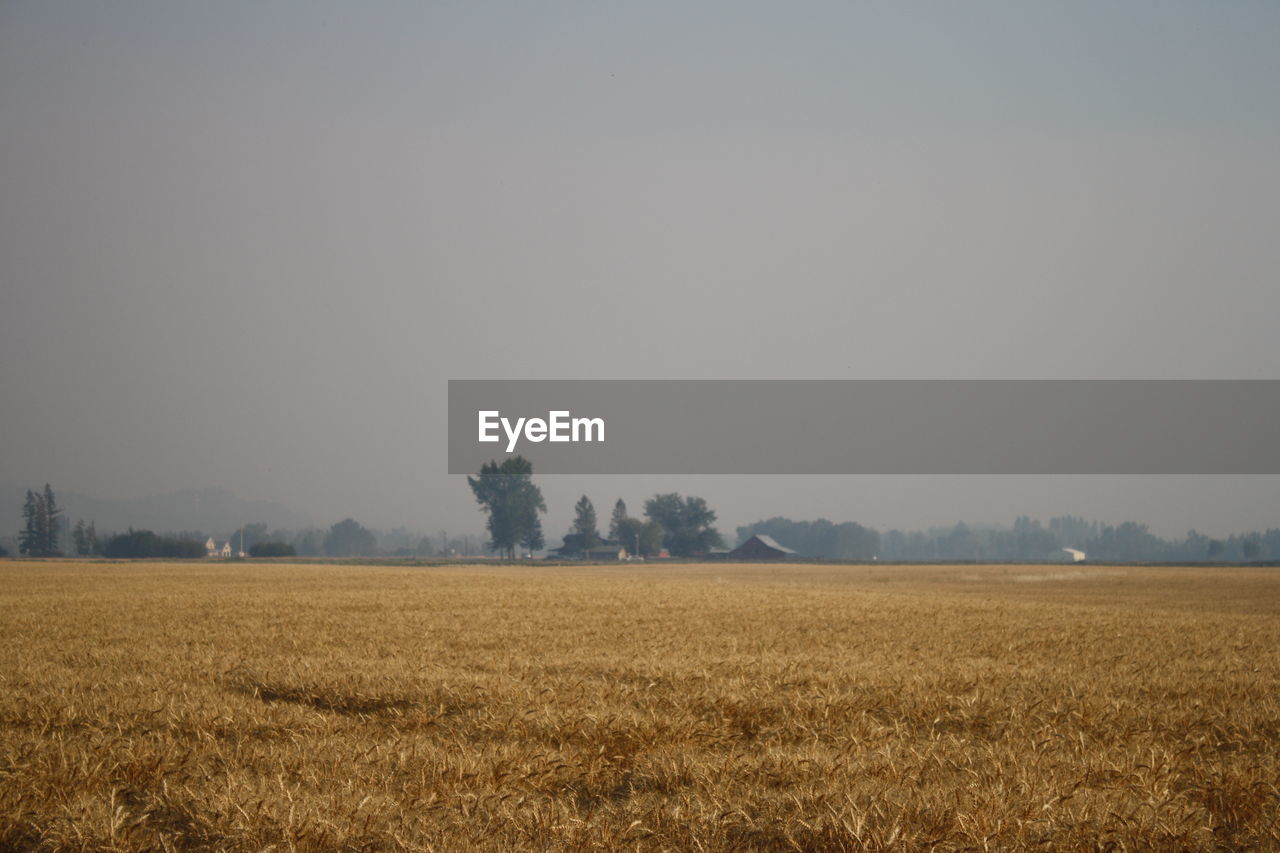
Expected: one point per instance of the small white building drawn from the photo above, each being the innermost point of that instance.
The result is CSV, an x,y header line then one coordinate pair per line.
x,y
1075,555
211,548
226,549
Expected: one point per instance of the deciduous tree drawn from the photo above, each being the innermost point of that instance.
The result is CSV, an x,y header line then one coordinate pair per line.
x,y
505,491
532,539
349,538
687,523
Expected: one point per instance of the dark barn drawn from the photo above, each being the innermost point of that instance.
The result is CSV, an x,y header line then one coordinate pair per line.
x,y
760,547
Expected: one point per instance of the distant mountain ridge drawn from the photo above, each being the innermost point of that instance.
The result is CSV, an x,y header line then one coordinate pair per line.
x,y
214,511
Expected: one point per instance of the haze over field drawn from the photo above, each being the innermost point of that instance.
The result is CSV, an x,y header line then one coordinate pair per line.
x,y
246,246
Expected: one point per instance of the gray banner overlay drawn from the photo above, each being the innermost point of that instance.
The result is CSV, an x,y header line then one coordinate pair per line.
x,y
872,426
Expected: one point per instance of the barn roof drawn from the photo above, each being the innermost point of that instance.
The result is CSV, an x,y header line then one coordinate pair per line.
x,y
773,543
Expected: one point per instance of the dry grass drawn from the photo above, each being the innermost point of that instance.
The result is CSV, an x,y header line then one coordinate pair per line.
x,y
246,707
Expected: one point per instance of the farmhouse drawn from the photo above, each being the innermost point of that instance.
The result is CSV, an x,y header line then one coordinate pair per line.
x,y
211,548
760,547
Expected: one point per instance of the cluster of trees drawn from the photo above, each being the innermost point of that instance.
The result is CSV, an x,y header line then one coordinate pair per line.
x,y
687,524
350,538
584,534
507,495
683,526
85,538
41,521
43,527
346,538
1026,540
641,538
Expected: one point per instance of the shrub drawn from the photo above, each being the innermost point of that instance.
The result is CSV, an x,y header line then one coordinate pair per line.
x,y
181,549
142,544
271,549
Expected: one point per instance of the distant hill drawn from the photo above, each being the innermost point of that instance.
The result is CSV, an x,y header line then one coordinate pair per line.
x,y
212,511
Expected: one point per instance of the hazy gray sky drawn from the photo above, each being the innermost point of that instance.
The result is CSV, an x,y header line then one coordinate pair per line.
x,y
246,244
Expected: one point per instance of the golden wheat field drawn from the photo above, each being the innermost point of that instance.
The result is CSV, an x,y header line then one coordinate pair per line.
x,y
188,706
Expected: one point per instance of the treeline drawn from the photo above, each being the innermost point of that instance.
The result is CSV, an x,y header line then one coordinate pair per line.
x,y
143,544
46,532
346,538
681,526
349,538
1027,539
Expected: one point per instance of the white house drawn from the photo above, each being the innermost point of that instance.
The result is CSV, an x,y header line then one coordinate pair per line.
x,y
226,549
211,548
1076,556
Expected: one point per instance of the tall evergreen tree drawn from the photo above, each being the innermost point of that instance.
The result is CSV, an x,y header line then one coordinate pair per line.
x,y
52,523
80,538
619,516
584,523
29,539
